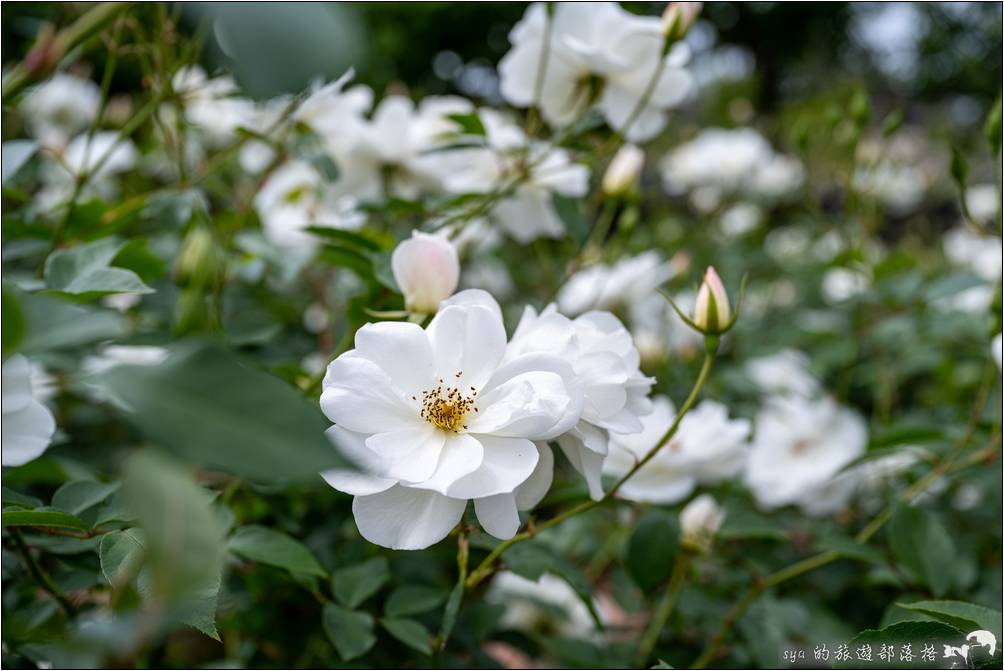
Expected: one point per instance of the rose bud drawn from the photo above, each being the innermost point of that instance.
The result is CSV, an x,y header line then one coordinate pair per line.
x,y
426,269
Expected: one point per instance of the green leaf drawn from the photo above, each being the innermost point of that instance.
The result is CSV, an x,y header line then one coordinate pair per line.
x,y
43,518
571,214
992,129
470,124
413,599
85,271
452,610
13,323
917,634
350,631
122,554
52,323
77,496
922,545
652,549
742,523
15,154
346,238
354,584
267,546
411,633
964,616
10,497
207,406
184,540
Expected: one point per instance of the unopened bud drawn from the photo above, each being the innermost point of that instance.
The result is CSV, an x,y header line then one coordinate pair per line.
x,y
427,270
711,310
678,17
197,259
624,170
700,521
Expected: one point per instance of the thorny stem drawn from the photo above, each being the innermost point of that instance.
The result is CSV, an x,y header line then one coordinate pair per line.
x,y
947,465
664,609
487,566
37,572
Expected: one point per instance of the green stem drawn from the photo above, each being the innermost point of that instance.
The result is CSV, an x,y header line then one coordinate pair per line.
x,y
37,572
487,566
665,608
600,229
89,23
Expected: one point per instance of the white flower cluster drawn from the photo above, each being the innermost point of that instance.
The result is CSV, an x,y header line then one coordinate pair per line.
x,y
454,412
720,164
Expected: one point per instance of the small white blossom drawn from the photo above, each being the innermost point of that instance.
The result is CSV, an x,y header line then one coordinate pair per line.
x,y
602,287
594,54
785,372
59,107
707,448
624,170
800,445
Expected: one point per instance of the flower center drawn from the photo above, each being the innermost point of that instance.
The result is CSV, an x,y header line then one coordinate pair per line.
x,y
447,407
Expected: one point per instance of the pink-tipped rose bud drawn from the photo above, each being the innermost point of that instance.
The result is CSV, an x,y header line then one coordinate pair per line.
x,y
678,17
426,269
711,311
623,172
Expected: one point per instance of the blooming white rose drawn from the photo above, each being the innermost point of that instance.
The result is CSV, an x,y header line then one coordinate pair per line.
x,y
391,153
799,446
59,107
982,254
598,54
212,106
102,156
426,269
542,170
721,163
700,520
708,447
606,363
28,426
602,287
530,603
294,197
785,372
437,416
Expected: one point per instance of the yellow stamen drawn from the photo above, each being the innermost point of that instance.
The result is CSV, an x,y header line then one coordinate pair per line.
x,y
446,407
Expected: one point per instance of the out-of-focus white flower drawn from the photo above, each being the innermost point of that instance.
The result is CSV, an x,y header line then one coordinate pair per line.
x,y
490,274
212,106
59,107
700,521
294,197
707,448
436,416
900,187
392,154
334,111
316,318
785,372
549,600
997,350
800,445
983,255
711,309
606,364
678,17
720,163
841,284
535,172
122,355
982,202
624,170
28,426
658,330
740,219
602,287
594,54
426,269
104,157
